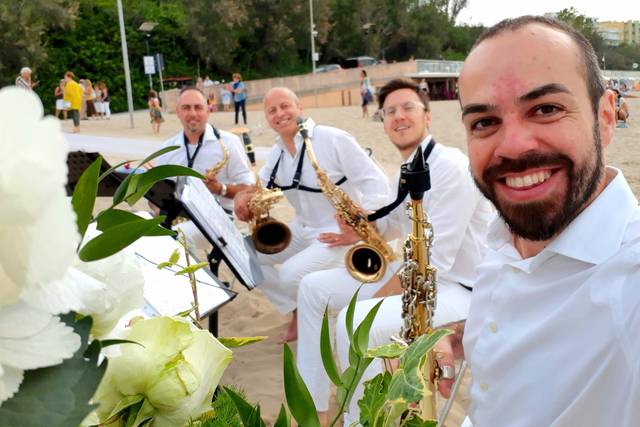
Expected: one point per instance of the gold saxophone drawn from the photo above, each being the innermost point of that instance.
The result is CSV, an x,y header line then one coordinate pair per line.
x,y
213,171
367,261
418,279
269,236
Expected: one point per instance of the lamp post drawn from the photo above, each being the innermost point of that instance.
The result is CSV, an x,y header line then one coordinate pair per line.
x,y
125,59
146,28
313,36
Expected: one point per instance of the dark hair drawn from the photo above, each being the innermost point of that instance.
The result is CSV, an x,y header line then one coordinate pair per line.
x,y
363,72
591,71
402,83
153,94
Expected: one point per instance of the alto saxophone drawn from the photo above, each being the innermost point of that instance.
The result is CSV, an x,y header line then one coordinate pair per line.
x,y
213,171
418,277
367,261
269,236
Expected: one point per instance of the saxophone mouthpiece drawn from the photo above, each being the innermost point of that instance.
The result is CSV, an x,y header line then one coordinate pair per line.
x,y
416,175
302,127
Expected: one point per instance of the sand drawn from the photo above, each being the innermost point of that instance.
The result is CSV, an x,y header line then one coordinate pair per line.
x,y
258,369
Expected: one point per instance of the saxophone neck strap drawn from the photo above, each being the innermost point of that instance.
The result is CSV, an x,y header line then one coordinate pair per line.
x,y
295,184
191,159
405,184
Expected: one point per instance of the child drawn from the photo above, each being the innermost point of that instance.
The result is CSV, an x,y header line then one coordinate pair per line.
x,y
155,112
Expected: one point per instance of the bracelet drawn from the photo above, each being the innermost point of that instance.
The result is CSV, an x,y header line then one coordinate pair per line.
x,y
223,190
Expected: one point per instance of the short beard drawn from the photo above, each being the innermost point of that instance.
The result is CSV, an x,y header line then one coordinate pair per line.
x,y
541,220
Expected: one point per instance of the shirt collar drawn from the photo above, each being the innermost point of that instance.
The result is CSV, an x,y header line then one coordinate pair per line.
x,y
423,146
208,134
591,237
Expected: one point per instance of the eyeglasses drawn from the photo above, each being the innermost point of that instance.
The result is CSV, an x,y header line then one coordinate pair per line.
x,y
406,107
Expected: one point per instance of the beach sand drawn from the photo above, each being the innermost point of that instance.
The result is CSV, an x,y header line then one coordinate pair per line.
x,y
257,369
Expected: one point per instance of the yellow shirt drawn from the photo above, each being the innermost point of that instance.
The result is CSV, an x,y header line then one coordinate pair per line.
x,y
73,94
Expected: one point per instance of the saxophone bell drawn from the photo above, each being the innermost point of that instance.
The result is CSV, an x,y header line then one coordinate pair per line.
x,y
365,263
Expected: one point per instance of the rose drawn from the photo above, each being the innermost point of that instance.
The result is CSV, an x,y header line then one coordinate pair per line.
x,y
170,377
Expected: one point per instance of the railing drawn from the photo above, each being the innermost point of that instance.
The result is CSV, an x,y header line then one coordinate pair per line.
x,y
438,66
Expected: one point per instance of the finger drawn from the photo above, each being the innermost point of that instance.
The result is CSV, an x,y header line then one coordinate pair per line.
x,y
447,378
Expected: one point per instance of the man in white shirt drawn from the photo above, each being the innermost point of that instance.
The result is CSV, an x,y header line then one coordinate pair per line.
x,y
201,150
287,166
24,79
553,333
459,215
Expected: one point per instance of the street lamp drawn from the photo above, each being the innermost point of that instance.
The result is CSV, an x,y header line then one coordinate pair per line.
x,y
146,27
314,56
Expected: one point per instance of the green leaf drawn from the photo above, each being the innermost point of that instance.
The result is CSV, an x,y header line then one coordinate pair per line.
x,y
57,396
350,379
111,169
187,312
158,153
84,195
326,352
416,421
192,268
112,217
361,335
150,177
298,397
283,418
351,308
234,342
164,265
121,191
374,398
117,238
388,351
175,256
245,410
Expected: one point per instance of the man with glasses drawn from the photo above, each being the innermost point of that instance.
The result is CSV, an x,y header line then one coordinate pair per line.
x,y
459,215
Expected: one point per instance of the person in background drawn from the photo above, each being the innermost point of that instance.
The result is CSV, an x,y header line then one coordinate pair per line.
x,y
90,97
105,100
211,102
98,101
60,102
622,109
73,95
155,112
366,91
239,96
225,94
24,79
207,82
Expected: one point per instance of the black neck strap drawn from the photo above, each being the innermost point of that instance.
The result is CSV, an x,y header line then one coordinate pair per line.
x,y
295,184
403,189
192,159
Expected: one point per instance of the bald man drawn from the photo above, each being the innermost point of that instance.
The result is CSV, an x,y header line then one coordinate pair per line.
x,y
346,164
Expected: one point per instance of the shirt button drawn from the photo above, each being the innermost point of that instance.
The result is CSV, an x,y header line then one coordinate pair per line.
x,y
493,327
484,386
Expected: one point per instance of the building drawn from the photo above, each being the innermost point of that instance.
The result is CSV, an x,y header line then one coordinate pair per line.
x,y
612,32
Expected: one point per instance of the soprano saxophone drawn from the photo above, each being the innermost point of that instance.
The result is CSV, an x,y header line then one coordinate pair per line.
x,y
367,261
418,277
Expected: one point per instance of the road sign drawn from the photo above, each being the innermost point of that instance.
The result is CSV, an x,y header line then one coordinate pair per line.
x,y
149,65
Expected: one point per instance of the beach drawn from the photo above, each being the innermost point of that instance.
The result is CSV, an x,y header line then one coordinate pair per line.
x,y
257,369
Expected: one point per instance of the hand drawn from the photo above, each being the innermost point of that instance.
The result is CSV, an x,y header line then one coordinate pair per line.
x,y
448,350
241,205
213,184
346,237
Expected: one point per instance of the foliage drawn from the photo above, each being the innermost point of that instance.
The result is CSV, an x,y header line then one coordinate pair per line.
x,y
587,26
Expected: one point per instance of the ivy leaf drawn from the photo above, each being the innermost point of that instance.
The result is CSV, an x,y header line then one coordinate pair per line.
x,y
374,398
298,396
84,195
234,342
416,421
58,396
387,351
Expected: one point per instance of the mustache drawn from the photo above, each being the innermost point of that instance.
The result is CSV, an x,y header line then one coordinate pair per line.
x,y
524,162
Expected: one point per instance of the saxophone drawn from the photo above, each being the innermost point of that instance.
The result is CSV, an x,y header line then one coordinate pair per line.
x,y
269,235
213,171
418,277
367,261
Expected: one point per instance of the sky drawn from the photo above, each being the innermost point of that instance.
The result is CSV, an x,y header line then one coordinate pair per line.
x,y
489,12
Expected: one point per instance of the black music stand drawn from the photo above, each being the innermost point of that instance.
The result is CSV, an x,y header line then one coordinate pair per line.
x,y
162,194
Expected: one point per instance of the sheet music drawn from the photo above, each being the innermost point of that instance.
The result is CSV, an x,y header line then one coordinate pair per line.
x,y
166,293
197,199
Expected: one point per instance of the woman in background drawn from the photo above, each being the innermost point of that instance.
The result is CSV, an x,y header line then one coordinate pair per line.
x,y
366,92
155,112
239,96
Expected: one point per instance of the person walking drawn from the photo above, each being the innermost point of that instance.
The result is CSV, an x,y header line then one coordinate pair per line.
x,y
155,112
239,96
73,95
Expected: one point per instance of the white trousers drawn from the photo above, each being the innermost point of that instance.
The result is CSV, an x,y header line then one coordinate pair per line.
x,y
333,289
452,304
304,255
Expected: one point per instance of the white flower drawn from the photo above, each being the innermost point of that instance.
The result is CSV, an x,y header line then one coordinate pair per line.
x,y
30,339
176,370
38,233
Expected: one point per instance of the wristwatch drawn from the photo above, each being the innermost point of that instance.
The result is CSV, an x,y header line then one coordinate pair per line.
x,y
223,190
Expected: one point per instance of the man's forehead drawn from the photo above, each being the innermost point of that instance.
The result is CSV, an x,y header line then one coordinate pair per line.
x,y
401,95
191,97
278,96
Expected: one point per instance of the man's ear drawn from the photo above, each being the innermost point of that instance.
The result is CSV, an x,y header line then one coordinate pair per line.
x,y
607,116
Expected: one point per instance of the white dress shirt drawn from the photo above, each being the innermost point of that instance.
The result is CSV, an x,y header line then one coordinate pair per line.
x,y
554,340
339,155
458,212
236,171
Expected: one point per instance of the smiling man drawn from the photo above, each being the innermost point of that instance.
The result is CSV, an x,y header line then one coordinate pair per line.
x,y
553,334
287,167
459,215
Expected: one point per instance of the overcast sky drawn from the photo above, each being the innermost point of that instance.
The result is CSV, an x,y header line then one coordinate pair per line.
x,y
489,12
